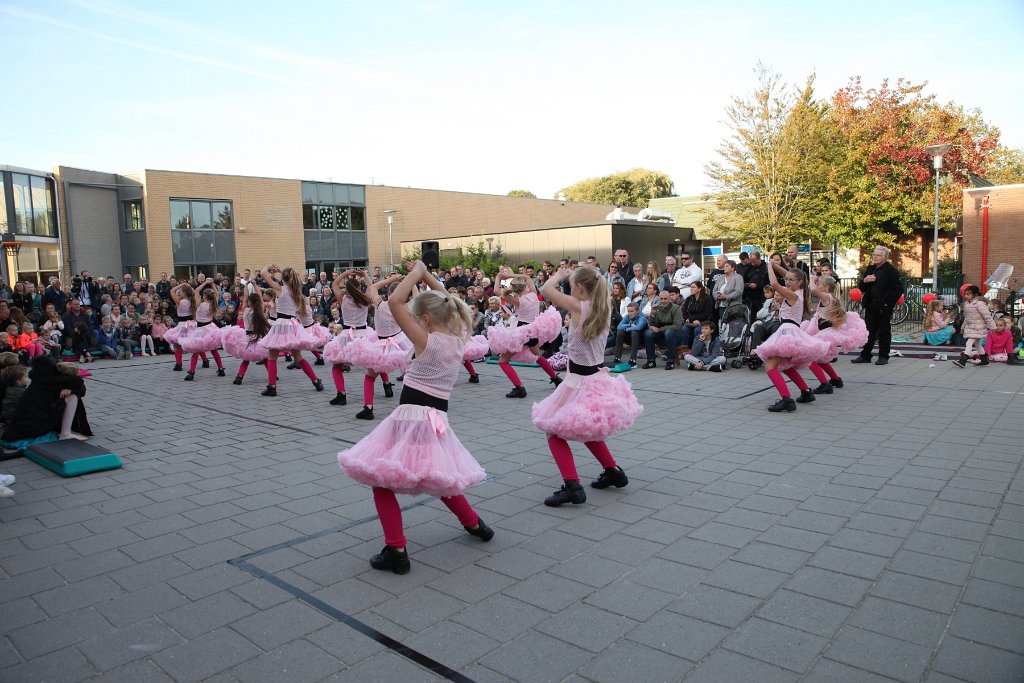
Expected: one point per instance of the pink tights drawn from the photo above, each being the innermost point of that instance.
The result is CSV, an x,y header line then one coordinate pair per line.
x,y
506,367
368,382
563,456
391,514
242,368
339,378
469,368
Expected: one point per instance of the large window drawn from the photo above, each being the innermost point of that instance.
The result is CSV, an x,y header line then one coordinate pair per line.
x,y
33,205
193,214
187,272
133,215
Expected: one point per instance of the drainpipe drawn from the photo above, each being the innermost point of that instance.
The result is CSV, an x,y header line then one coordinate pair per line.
x,y
984,241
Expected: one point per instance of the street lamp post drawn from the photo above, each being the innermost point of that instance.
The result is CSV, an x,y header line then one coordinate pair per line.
x,y
936,151
391,242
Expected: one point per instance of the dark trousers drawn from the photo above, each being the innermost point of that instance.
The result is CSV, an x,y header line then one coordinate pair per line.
x,y
634,343
669,337
879,323
688,335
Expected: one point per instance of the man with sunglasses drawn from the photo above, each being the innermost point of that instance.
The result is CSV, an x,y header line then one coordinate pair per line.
x,y
687,273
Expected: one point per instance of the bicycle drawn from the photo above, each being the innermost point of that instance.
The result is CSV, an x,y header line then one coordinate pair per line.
x,y
912,300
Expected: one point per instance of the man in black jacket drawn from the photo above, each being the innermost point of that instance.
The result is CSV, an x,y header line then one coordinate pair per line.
x,y
53,294
882,289
754,282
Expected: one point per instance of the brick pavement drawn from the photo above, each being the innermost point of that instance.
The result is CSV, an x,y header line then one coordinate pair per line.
x,y
875,535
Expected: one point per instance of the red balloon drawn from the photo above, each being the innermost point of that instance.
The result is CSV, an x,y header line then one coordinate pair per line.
x,y
903,298
856,294
928,298
963,288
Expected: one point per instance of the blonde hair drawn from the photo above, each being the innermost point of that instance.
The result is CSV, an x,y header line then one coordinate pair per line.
x,y
517,285
835,311
67,368
929,316
596,287
291,278
450,311
802,276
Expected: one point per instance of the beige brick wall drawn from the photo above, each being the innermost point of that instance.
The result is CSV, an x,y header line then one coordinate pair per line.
x,y
267,212
1005,231
435,215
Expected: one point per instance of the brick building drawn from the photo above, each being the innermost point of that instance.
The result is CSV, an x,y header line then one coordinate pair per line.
x,y
1005,230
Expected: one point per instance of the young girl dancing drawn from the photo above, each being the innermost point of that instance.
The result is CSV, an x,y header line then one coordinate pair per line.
x,y
387,351
184,302
286,335
790,347
591,404
241,340
205,336
977,322
414,449
835,326
355,306
533,328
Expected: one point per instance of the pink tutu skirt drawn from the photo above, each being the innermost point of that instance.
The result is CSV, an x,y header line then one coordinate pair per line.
x,y
588,407
545,328
475,347
379,355
182,329
286,334
201,339
321,334
337,350
851,336
414,450
797,348
239,344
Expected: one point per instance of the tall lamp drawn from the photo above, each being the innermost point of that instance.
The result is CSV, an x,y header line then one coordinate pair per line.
x,y
391,242
11,248
936,151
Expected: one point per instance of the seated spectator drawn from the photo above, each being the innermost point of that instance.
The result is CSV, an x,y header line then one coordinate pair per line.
x,y
492,316
52,402
649,299
52,332
706,352
633,324
160,327
619,303
108,338
697,308
5,344
72,319
767,323
129,340
664,325
28,341
15,380
938,327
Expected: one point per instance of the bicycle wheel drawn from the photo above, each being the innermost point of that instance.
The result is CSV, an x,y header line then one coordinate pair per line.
x,y
954,311
899,313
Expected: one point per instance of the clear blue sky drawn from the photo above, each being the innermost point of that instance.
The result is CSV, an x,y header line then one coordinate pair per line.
x,y
460,95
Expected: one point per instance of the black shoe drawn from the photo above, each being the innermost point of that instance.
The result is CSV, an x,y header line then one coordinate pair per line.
x,y
177,368
616,360
261,362
474,379
837,383
318,385
650,364
961,362
571,492
206,364
190,376
806,396
390,558
612,476
237,379
220,372
861,359
292,366
345,367
632,362
558,380
882,361
389,388
715,368
365,414
670,366
823,388
787,404
691,366
517,392
288,357
984,359
319,361
339,400
271,390
482,531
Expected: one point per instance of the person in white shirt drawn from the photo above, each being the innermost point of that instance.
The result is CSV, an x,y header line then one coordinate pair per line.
x,y
687,274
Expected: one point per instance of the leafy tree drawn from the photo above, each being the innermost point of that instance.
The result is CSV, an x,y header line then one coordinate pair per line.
x,y
1006,166
478,255
633,188
521,193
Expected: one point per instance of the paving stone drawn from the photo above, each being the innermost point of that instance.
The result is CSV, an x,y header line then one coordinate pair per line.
x,y
989,627
837,672
679,635
198,660
626,660
723,665
776,644
716,605
977,662
501,617
65,666
805,613
991,595
931,567
586,627
128,644
911,590
848,562
77,595
298,660
828,585
897,620
771,557
204,615
141,604
58,632
536,657
745,578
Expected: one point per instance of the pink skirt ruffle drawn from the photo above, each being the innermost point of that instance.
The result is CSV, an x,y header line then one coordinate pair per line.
x,y
379,355
475,347
239,344
588,407
321,334
201,339
286,334
851,336
545,328
337,349
182,329
797,348
414,450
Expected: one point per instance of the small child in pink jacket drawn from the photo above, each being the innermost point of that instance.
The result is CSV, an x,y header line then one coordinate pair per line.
x,y
999,342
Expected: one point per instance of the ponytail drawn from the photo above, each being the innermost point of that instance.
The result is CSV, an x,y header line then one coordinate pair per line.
x,y
599,318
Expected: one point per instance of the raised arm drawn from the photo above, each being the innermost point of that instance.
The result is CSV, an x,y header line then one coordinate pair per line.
x,y
788,294
553,293
271,280
416,333
373,291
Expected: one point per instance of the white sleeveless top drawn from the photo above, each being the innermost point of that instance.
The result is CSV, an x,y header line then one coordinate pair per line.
x,y
584,352
205,313
434,371
528,309
184,308
352,314
384,321
285,303
794,312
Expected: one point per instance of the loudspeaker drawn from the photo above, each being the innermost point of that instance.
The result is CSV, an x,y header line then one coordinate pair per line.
x,y
431,253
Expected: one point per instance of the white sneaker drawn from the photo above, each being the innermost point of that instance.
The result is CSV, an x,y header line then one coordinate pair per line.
x,y
937,356
944,356
5,492
7,479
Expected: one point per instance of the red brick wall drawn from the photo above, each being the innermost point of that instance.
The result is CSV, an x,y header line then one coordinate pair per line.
x,y
1005,231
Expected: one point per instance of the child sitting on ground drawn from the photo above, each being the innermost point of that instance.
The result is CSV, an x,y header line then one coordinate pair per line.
x,y
706,351
999,342
938,328
15,379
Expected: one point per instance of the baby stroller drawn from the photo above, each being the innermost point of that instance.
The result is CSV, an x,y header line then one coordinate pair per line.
x,y
733,331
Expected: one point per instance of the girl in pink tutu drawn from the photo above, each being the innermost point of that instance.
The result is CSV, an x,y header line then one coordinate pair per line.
x,y
790,347
387,351
834,325
476,348
522,341
355,308
242,340
414,450
206,335
591,404
185,304
286,335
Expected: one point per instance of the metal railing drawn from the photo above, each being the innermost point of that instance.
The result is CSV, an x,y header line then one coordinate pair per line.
x,y
915,287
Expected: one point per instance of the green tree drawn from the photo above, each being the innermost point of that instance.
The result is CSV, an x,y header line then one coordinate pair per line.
x,y
1006,166
521,193
633,188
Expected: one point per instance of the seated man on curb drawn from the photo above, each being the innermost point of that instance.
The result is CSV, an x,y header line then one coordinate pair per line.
x,y
665,324
633,325
706,352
